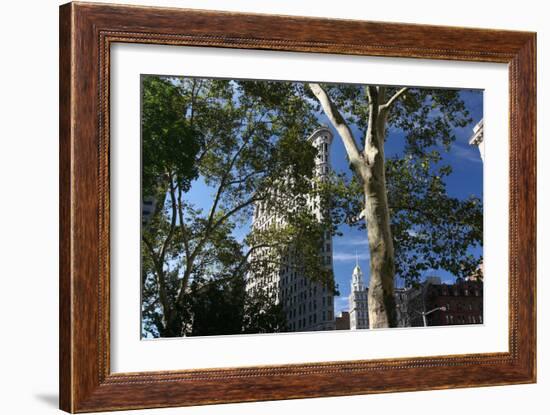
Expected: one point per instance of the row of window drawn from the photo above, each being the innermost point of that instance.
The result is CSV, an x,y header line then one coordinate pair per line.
x,y
360,314
470,319
311,319
455,291
302,296
464,307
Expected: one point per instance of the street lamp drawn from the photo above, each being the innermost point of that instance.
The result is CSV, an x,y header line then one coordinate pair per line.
x,y
425,313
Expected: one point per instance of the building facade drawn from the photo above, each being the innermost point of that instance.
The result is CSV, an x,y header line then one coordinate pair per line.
x,y
308,305
463,303
148,207
342,321
477,139
444,304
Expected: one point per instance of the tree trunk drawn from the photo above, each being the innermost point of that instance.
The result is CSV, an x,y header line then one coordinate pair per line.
x,y
172,324
382,266
369,167
381,299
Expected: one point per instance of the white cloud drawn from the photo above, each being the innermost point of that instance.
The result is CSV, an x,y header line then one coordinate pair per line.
x,y
348,257
340,304
469,154
352,241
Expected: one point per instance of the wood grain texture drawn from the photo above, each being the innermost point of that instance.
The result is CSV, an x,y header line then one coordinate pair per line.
x,y
65,248
86,33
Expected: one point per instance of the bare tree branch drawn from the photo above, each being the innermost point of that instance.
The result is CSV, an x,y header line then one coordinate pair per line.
x,y
338,122
394,98
246,177
184,235
371,145
172,220
224,181
235,210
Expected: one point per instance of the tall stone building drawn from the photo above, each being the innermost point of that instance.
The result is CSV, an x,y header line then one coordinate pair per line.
x,y
308,305
358,303
477,139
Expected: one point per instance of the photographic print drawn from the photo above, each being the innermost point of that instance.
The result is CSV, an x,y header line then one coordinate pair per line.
x,y
252,183
286,206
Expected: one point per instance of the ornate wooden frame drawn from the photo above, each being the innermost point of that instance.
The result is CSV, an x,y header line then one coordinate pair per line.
x,y
86,33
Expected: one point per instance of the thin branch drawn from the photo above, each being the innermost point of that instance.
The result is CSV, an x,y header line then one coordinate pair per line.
x,y
189,266
159,270
246,177
223,183
182,225
237,270
211,225
150,307
151,249
394,98
172,221
235,210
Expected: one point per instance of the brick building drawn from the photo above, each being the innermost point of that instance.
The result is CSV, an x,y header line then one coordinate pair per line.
x,y
463,302
342,321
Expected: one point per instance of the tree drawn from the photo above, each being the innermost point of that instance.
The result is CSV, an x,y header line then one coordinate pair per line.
x,y
169,147
427,118
430,229
251,148
262,314
247,142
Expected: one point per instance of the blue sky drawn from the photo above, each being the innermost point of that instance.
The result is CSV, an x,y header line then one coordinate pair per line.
x,y
465,180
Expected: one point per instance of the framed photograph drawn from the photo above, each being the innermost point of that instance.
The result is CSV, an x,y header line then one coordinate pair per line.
x,y
259,207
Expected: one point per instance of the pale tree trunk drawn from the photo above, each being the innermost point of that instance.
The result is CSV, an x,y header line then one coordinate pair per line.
x,y
368,165
377,216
